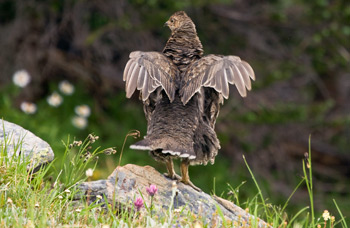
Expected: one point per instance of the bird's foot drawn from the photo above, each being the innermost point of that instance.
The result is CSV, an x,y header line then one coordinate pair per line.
x,y
173,177
188,182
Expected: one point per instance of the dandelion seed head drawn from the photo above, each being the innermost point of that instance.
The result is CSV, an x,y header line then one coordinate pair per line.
x,y
21,78
66,87
28,107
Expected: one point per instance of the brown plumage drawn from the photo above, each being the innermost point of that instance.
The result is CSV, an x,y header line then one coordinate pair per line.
x,y
182,92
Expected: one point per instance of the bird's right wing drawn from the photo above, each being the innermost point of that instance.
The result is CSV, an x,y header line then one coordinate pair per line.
x,y
217,72
146,71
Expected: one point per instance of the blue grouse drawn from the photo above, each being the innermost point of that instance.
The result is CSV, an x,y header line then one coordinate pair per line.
x,y
182,91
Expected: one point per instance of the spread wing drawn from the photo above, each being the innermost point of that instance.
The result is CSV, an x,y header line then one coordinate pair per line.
x,y
146,71
217,72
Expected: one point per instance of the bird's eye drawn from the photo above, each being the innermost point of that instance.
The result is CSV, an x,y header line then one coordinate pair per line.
x,y
172,20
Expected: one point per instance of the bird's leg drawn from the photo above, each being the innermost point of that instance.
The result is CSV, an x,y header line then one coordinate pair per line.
x,y
171,172
185,178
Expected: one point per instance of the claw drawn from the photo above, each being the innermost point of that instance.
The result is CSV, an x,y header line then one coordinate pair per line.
x,y
185,177
171,172
188,182
173,177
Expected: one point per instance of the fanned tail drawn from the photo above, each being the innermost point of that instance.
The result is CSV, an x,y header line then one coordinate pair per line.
x,y
141,145
166,146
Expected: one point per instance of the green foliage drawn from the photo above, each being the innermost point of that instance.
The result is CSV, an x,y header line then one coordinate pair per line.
x,y
34,200
315,31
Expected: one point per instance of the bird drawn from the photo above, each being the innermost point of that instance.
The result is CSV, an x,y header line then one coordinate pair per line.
x,y
182,90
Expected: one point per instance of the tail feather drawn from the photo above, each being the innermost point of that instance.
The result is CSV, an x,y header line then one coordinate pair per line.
x,y
165,146
141,145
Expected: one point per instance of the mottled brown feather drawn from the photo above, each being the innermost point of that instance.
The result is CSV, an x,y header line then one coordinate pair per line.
x,y
182,92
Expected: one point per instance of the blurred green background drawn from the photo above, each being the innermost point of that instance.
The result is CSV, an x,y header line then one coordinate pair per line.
x,y
299,50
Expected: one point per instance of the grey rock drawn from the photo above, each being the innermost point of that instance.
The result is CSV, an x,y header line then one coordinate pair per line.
x,y
133,180
16,140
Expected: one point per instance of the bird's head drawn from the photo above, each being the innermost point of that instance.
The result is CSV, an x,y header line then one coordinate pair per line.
x,y
180,21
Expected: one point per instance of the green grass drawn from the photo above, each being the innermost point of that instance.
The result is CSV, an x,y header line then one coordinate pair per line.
x,y
45,198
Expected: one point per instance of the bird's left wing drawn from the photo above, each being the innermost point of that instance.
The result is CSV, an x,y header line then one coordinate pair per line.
x,y
217,72
146,71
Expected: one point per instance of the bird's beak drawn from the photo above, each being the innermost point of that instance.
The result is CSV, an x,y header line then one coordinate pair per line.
x,y
166,24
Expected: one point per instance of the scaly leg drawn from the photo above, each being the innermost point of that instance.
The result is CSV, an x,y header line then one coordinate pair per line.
x,y
171,172
185,177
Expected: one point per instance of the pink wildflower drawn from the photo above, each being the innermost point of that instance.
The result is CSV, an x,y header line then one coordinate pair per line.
x,y
152,190
138,203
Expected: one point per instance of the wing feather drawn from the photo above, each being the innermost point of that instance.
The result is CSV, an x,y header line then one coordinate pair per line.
x,y
141,78
145,89
217,72
249,69
239,81
230,76
132,82
225,89
245,75
127,67
146,71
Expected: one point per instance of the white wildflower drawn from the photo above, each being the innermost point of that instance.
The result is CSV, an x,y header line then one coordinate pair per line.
x,y
177,210
89,172
30,224
326,215
60,197
21,78
99,197
78,210
174,186
28,107
82,110
9,200
36,205
67,191
79,122
55,99
197,225
66,87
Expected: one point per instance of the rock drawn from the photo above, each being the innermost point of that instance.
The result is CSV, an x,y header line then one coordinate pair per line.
x,y
132,182
19,141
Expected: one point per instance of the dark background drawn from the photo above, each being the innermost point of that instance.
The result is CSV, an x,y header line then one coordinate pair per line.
x,y
299,50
